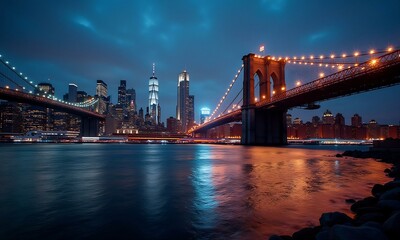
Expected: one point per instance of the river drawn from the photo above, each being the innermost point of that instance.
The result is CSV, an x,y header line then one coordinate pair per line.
x,y
139,191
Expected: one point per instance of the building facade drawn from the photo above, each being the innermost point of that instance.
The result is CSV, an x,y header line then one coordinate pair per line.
x,y
182,107
153,98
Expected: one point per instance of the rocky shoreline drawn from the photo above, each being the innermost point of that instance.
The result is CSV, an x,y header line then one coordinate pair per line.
x,y
376,216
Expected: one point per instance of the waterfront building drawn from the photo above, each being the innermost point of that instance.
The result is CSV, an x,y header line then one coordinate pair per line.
x,y
288,119
173,125
315,120
182,107
204,115
328,118
373,130
297,121
72,92
356,121
48,89
10,117
153,98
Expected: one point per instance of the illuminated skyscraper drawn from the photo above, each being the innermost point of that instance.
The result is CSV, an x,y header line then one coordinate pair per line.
x,y
153,97
72,92
101,94
122,94
204,115
328,118
182,107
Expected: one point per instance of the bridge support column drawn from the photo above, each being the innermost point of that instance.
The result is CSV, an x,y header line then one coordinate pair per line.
x,y
263,127
248,126
89,127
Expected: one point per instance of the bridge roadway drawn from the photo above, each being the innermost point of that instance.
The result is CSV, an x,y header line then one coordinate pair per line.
x,y
374,74
22,97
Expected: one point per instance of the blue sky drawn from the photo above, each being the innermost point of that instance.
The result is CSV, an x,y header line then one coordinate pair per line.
x,y
82,41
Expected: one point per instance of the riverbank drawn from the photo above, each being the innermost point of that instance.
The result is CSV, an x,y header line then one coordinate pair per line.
x,y
376,216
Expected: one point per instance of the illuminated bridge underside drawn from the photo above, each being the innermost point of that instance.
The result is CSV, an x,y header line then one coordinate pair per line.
x,y
383,72
22,97
89,120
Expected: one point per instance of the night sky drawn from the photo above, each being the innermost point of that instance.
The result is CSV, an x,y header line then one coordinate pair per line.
x,y
82,41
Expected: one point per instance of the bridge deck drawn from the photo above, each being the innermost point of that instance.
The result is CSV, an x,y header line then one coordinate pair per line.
x,y
377,73
22,97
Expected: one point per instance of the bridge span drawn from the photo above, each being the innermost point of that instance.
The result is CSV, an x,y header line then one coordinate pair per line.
x,y
89,119
264,122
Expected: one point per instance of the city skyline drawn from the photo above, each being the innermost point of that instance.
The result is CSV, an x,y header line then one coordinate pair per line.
x,y
196,36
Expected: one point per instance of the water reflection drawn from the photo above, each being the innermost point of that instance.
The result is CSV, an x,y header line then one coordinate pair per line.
x,y
202,179
173,191
154,182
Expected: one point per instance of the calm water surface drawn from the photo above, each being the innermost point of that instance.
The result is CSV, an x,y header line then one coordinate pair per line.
x,y
123,191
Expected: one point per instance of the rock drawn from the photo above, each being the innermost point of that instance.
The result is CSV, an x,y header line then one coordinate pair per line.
x,y
364,210
323,235
342,232
389,206
392,194
332,218
283,237
366,202
306,233
368,217
373,225
377,190
392,184
392,226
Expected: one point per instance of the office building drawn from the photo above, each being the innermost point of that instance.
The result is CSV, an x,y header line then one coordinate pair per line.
x,y
72,92
153,97
182,108
103,99
204,115
122,94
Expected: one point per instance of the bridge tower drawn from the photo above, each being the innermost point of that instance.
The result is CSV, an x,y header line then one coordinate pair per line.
x,y
263,126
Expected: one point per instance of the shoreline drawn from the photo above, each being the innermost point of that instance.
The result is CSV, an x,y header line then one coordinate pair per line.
x,y
375,217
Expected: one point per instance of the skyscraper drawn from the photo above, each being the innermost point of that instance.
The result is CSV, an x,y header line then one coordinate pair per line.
x,y
153,97
72,92
122,94
131,99
182,108
190,115
101,93
205,114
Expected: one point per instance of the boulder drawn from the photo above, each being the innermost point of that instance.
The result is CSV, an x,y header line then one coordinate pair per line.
x,y
366,202
306,233
342,232
389,206
392,226
283,237
368,217
391,185
373,225
377,190
323,235
332,218
392,194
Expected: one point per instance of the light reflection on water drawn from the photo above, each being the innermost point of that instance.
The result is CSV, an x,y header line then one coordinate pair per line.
x,y
173,191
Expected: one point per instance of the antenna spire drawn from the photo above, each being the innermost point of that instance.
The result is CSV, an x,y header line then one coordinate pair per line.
x,y
154,69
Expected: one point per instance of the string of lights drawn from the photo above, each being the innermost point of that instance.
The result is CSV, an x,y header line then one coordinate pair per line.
x,y
227,92
87,103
